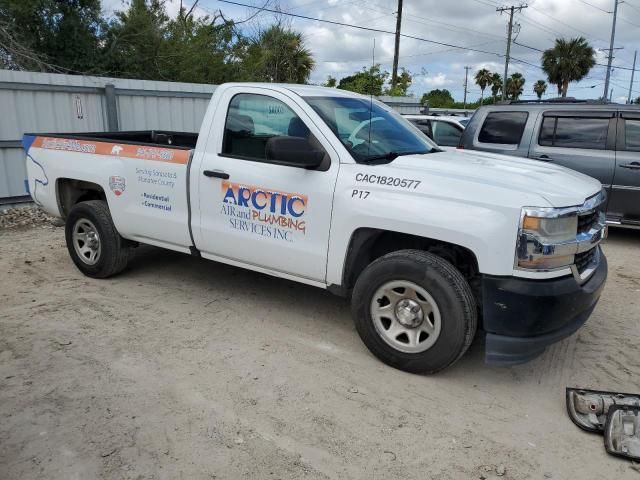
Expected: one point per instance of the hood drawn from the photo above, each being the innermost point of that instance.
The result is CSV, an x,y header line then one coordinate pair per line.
x,y
559,186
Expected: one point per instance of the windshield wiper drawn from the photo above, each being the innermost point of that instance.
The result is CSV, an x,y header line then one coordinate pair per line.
x,y
417,153
390,156
379,159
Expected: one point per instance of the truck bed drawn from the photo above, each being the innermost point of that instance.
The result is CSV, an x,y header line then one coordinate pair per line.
x,y
140,137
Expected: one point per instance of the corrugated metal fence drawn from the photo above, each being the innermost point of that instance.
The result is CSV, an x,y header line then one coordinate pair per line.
x,y
41,102
46,102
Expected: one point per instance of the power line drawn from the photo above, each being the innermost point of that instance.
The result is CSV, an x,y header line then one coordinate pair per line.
x,y
595,6
597,64
359,27
541,12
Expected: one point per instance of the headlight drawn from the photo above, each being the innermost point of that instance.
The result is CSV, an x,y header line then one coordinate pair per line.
x,y
546,239
551,230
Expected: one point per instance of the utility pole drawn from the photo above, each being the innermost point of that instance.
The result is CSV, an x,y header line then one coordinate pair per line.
x,y
633,70
396,53
613,37
511,10
466,79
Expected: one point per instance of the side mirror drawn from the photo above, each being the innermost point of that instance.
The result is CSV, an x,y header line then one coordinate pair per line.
x,y
294,152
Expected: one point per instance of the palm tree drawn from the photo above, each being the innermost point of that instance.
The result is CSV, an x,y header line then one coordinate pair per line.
x,y
483,78
539,88
515,85
278,54
496,86
568,61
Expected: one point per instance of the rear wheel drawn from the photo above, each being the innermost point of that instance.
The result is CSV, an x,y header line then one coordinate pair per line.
x,y
414,311
94,244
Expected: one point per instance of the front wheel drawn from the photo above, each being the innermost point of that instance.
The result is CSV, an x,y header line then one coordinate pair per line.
x,y
414,311
94,244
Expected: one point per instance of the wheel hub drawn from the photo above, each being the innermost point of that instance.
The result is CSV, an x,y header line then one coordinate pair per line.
x,y
92,240
86,241
409,313
405,316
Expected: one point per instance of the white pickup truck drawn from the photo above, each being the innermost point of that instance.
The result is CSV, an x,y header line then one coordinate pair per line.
x,y
430,246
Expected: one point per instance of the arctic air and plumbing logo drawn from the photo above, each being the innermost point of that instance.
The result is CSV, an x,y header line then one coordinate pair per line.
x,y
117,184
264,212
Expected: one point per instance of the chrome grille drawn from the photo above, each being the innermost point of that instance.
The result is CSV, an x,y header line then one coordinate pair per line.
x,y
584,259
587,221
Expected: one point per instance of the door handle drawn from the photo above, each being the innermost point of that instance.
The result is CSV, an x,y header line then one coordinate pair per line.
x,y
216,174
544,158
632,165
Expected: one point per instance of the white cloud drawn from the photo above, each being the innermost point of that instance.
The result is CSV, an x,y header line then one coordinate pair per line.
x,y
340,51
438,80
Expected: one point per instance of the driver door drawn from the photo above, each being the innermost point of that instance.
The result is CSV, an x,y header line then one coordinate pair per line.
x,y
254,211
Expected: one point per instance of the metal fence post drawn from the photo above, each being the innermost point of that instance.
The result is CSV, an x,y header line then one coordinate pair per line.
x,y
112,107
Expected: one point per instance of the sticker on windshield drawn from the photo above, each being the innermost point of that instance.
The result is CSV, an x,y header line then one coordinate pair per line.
x,y
391,181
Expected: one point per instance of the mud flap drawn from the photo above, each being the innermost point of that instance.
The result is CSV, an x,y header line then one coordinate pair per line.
x,y
622,431
588,409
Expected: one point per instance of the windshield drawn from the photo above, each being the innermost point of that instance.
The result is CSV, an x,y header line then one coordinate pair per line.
x,y
368,130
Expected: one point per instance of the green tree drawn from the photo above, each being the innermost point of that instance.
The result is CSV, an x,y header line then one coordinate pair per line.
x,y
51,35
568,61
496,86
637,101
539,88
278,54
438,98
515,86
403,83
483,78
369,81
135,39
201,50
331,82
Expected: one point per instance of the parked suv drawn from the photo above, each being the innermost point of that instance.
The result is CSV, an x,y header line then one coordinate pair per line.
x,y
600,140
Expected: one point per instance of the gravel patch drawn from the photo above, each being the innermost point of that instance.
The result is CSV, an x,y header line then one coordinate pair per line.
x,y
26,217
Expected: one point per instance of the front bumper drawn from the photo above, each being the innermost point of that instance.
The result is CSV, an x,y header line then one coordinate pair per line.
x,y
522,317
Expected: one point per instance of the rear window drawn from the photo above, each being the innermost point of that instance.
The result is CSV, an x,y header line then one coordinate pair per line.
x,y
632,134
574,132
503,127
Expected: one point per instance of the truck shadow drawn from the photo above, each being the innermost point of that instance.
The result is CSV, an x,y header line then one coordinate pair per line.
x,y
211,282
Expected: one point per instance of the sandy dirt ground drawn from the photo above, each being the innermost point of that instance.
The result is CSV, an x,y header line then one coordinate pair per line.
x,y
186,369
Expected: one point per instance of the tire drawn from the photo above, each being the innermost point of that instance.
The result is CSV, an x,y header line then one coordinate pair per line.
x,y
91,221
427,304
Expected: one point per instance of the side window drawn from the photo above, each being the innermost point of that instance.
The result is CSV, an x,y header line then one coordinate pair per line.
x,y
632,134
252,120
446,134
503,128
574,132
424,126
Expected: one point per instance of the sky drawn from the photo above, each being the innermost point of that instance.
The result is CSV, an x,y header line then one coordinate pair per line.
x,y
339,51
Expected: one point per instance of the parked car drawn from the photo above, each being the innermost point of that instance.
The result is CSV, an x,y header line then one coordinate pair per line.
x,y
599,140
445,131
429,244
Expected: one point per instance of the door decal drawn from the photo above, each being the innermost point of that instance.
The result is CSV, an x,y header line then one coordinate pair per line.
x,y
265,212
